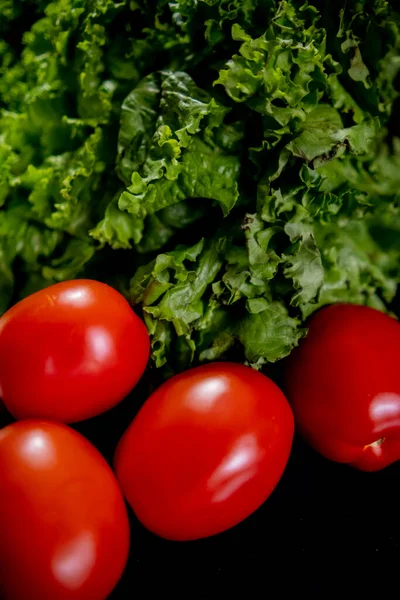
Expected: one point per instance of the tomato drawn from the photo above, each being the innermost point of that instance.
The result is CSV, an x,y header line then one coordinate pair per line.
x,y
344,386
205,451
70,351
64,529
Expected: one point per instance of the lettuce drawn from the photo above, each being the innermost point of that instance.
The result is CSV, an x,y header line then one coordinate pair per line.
x,y
230,166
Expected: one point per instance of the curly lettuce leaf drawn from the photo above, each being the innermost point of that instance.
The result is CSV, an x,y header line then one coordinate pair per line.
x,y
236,160
174,145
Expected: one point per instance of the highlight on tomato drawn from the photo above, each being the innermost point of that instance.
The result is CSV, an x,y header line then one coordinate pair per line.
x,y
64,528
70,352
205,451
343,382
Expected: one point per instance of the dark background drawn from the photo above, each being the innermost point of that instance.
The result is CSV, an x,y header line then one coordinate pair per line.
x,y
326,529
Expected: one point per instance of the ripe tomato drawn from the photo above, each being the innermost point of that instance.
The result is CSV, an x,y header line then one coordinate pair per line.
x,y
205,451
344,385
64,529
70,352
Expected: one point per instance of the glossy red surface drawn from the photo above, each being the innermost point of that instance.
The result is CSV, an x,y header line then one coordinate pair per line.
x,y
205,451
344,386
64,529
70,351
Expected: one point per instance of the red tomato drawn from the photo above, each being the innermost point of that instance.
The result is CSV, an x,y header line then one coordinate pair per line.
x,y
70,352
64,529
344,386
205,451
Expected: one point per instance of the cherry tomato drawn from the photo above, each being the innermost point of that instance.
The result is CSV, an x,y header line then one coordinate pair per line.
x,y
64,529
70,351
344,386
205,451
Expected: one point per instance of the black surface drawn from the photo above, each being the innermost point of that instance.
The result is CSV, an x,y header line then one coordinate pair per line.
x,y
325,528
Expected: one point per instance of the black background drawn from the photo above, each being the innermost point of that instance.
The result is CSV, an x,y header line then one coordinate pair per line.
x,y
327,528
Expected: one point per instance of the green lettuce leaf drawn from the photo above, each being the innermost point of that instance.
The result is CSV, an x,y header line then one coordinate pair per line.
x,y
174,145
229,165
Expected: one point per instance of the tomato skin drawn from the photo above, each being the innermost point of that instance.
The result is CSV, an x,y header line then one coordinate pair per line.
x,y
70,352
64,528
205,451
343,383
